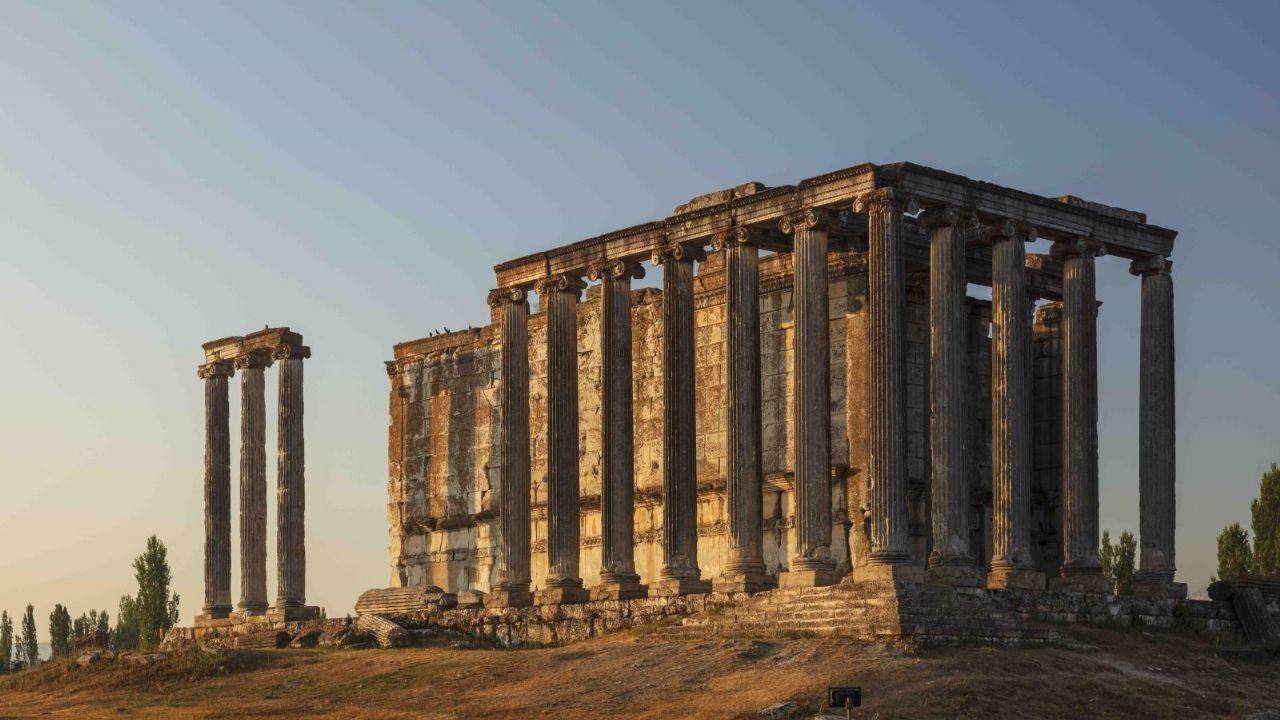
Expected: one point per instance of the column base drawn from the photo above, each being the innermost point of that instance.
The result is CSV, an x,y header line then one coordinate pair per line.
x,y
252,609
509,599
1015,578
676,586
1159,588
808,577
619,591
1083,582
896,573
464,599
292,613
204,620
562,595
953,575
215,612
747,582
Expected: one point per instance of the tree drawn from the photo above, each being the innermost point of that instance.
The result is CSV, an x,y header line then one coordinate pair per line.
x,y
6,642
86,625
60,631
1118,561
1234,556
1266,524
125,636
30,645
157,609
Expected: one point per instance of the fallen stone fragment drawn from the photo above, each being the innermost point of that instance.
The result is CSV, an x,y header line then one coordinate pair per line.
x,y
782,710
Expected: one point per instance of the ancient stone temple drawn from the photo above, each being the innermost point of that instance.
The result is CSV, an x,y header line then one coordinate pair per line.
x,y
811,396
251,355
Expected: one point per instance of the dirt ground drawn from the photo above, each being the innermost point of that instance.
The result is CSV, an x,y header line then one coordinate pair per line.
x,y
1096,673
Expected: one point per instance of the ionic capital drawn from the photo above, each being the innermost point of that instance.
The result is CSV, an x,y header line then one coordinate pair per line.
x,y
940,216
291,352
625,268
255,359
393,367
675,252
885,200
810,219
1007,230
1079,246
562,282
216,368
746,235
1151,265
507,296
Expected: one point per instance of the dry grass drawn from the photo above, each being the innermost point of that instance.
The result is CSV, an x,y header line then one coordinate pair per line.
x,y
1101,673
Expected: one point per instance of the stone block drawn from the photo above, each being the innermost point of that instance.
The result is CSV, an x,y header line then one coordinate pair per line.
x,y
509,599
674,587
1096,583
619,591
739,582
899,573
1015,579
953,575
807,578
1159,588
562,595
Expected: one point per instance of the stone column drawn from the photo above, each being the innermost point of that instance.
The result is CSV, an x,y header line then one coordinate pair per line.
x,y
1157,508
744,568
512,587
217,489
559,298
1081,570
890,555
951,561
618,577
1011,416
811,563
291,558
680,574
253,481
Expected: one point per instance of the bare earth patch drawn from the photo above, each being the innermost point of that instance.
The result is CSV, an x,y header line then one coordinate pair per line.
x,y
1098,674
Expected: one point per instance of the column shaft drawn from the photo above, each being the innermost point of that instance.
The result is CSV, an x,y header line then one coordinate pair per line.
x,y
217,489
1156,494
253,482
947,355
560,295
291,560
513,397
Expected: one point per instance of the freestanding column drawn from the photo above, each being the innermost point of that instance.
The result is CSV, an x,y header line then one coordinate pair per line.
x,y
253,481
217,489
744,568
1156,497
618,577
291,559
811,562
1080,568
890,552
680,574
951,561
512,587
1011,418
559,297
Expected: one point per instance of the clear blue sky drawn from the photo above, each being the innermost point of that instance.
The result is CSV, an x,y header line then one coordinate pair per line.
x,y
171,173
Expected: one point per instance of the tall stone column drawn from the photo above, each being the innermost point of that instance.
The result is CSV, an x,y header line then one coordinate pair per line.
x,y
1157,508
217,489
890,555
1011,416
253,481
951,561
559,297
618,577
744,568
1080,568
680,574
291,558
811,563
512,587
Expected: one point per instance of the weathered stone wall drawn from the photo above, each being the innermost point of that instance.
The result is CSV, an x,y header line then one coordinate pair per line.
x,y
443,462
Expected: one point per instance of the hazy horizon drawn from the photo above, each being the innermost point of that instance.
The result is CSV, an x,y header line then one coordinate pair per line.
x,y
172,174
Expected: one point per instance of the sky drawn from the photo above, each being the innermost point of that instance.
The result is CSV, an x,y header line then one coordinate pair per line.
x,y
176,172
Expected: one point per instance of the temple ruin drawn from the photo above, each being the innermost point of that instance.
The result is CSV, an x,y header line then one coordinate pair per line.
x,y
811,398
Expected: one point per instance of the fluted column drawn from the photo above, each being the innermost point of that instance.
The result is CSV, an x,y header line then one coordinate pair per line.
x,y
1080,569
559,297
513,575
811,562
217,489
291,558
1157,508
887,364
744,568
618,577
951,561
680,574
253,481
1011,417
